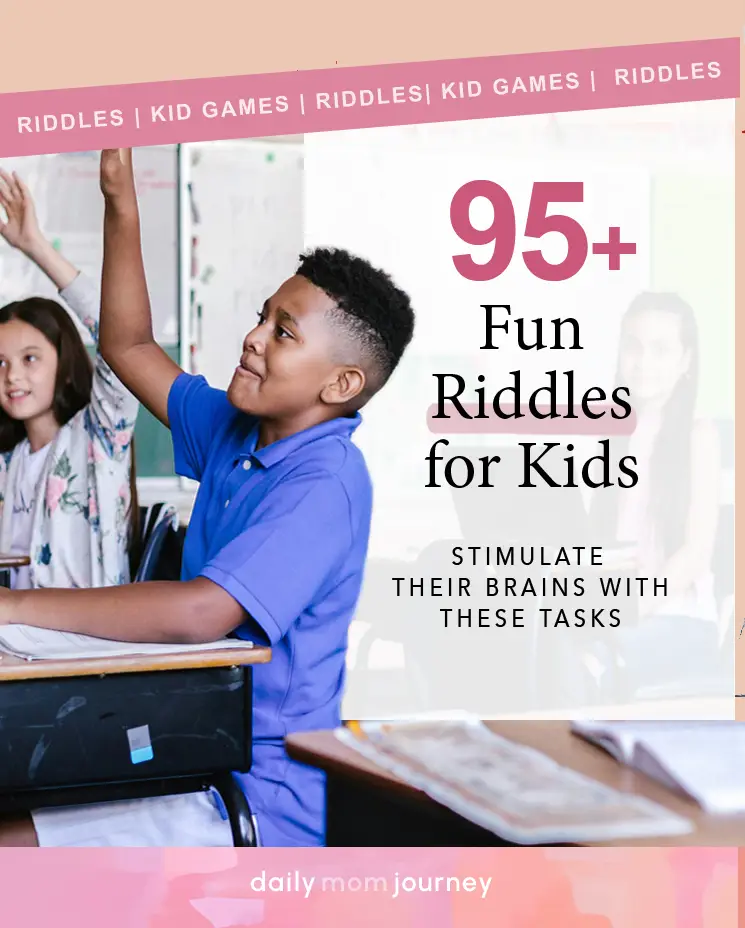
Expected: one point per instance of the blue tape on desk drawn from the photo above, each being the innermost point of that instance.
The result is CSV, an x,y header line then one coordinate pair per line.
x,y
140,746
141,755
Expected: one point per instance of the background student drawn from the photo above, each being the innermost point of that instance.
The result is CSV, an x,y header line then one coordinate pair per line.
x,y
66,425
670,518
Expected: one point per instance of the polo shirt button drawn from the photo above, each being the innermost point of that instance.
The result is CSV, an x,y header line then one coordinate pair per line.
x,y
246,465
227,503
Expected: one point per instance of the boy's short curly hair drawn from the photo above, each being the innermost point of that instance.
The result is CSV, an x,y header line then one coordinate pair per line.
x,y
371,309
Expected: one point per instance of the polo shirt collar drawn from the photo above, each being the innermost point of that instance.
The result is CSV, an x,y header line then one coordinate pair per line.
x,y
341,426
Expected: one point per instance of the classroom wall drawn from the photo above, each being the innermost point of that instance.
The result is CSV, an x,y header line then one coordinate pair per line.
x,y
244,230
697,260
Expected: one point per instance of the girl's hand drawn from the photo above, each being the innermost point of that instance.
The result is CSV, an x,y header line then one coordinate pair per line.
x,y
21,230
117,177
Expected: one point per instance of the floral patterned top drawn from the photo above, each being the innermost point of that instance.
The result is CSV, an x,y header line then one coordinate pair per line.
x,y
80,534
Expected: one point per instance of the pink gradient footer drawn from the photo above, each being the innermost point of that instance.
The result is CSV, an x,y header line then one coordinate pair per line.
x,y
395,887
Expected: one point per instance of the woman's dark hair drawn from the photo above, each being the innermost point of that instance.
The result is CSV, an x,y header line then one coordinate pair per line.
x,y
72,390
670,464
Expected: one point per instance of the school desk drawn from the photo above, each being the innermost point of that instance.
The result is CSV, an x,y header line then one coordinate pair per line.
x,y
369,807
97,730
7,563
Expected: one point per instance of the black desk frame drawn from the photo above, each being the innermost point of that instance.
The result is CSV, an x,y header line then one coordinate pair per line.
x,y
62,713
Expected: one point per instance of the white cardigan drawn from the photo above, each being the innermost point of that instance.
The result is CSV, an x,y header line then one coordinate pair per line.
x,y
80,533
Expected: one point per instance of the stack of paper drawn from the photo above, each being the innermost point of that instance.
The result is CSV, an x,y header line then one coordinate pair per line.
x,y
705,760
518,793
33,644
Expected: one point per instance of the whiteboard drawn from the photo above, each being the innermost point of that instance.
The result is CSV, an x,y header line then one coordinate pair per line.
x,y
246,235
69,204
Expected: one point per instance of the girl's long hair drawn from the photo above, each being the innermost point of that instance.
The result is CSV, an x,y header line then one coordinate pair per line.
x,y
72,389
670,464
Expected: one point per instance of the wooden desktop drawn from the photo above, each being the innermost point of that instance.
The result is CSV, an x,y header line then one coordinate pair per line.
x,y
14,668
369,807
7,563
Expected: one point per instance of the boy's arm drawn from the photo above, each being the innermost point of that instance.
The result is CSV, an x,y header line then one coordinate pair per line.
x,y
191,612
126,334
112,411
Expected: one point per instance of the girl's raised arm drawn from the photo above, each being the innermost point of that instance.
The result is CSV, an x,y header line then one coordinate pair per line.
x,y
21,230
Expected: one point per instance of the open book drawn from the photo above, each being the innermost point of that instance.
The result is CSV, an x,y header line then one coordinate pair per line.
x,y
704,760
518,793
34,644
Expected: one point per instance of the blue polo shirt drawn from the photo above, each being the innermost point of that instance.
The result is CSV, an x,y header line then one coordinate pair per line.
x,y
284,530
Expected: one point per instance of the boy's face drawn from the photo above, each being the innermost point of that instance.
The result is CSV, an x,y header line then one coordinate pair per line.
x,y
289,358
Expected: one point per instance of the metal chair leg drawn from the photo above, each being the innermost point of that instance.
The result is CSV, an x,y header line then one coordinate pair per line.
x,y
238,810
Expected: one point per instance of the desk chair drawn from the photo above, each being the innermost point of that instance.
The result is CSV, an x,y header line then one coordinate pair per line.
x,y
7,563
156,522
162,541
509,514
374,691
424,683
708,683
723,567
724,585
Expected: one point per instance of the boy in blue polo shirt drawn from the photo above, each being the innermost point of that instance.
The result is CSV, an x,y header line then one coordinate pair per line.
x,y
276,545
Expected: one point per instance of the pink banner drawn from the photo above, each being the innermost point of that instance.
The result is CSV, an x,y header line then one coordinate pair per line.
x,y
354,98
395,887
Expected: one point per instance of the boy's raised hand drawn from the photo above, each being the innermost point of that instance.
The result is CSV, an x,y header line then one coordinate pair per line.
x,y
126,334
21,230
117,177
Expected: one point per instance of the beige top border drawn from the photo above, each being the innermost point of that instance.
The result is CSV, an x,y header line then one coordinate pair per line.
x,y
81,43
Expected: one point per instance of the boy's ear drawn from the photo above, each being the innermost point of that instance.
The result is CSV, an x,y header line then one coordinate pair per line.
x,y
346,386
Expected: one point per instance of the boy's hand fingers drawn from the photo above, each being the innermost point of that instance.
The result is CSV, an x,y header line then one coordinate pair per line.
x,y
114,155
110,157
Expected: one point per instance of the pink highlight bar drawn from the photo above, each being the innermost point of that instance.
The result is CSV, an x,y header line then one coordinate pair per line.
x,y
364,97
369,887
530,424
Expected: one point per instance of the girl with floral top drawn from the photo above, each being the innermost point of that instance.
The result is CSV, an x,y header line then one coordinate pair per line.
x,y
66,425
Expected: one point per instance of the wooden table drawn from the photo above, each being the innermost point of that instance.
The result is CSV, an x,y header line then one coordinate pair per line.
x,y
7,563
369,807
100,730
